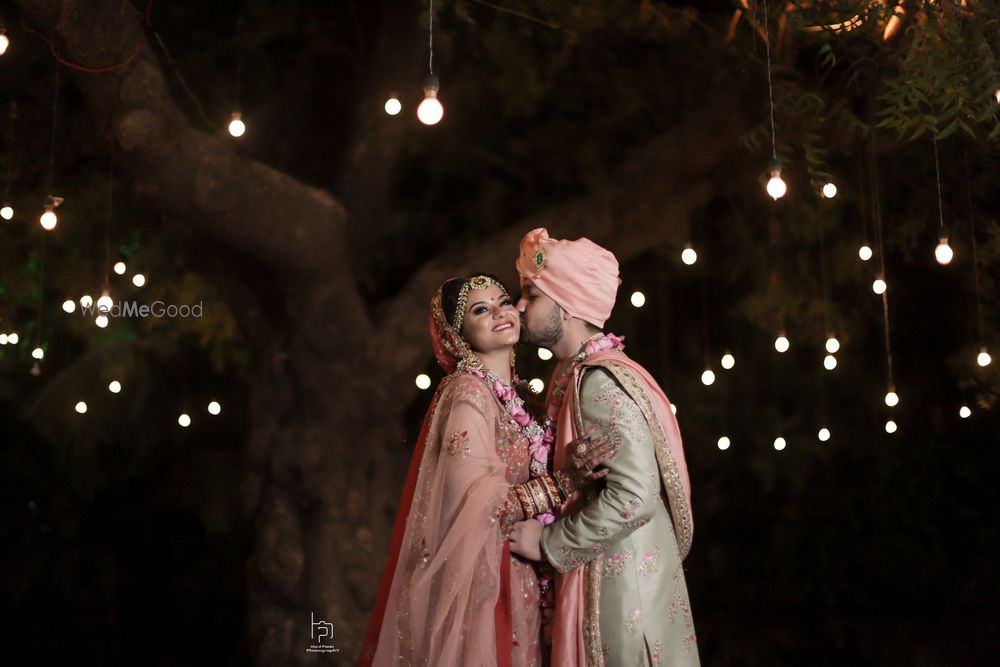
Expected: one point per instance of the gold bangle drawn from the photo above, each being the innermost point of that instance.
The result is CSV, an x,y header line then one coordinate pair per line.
x,y
557,496
542,500
563,483
522,496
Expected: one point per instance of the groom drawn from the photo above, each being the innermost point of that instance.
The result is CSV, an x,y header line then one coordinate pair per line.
x,y
621,597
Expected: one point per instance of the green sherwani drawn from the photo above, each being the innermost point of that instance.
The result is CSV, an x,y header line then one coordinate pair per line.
x,y
625,530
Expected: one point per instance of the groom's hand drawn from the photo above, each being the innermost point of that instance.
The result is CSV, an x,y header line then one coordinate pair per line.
x,y
525,539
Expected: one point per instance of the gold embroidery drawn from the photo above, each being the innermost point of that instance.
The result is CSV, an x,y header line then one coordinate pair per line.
x,y
650,560
592,575
458,443
615,563
633,621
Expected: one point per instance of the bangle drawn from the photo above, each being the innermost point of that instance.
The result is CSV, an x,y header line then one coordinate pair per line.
x,y
542,501
554,493
564,484
522,496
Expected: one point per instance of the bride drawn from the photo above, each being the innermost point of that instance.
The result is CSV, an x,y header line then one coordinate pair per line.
x,y
451,592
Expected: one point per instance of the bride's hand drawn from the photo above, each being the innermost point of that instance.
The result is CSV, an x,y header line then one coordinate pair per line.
x,y
586,454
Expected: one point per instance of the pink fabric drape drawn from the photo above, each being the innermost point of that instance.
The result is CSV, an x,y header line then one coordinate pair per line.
x,y
568,644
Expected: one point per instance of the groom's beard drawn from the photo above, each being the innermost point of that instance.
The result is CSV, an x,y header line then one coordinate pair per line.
x,y
548,334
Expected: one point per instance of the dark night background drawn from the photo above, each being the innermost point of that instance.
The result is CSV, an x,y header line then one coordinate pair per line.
x,y
126,539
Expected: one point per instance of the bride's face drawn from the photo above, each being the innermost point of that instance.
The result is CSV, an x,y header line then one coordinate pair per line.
x,y
491,321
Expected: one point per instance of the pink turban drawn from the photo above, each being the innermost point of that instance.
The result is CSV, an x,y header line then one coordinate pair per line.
x,y
581,276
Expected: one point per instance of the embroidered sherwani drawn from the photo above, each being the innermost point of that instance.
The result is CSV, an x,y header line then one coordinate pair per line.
x,y
624,536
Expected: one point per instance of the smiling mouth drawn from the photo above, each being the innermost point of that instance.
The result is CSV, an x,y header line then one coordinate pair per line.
x,y
503,327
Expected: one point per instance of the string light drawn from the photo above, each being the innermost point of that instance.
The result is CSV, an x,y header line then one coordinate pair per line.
x,y
101,321
537,386
689,256
823,435
829,190
829,362
943,252
996,94
49,219
12,338
86,301
781,343
832,344
105,302
81,407
779,443
120,268
138,280
890,427
423,381
984,359
865,252
891,397
69,305
38,353
673,408
4,41
3,339
776,185
214,408
184,419
724,443
638,299
728,361
393,106
430,111
237,127
964,412
7,211
544,353
879,286
708,378
115,387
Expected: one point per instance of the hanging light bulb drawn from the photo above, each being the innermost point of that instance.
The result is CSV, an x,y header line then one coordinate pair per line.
x,y
214,408
865,252
891,397
724,443
829,190
728,361
12,338
81,407
890,426
984,359
86,301
776,186
537,385
430,111
101,321
996,94
689,256
236,125
544,353
781,343
638,299
4,44
423,381
139,280
708,378
964,412
36,369
115,386
779,443
823,435
3,339
943,252
829,362
184,419
7,211
393,106
120,268
38,353
49,220
879,286
673,408
104,303
69,305
832,344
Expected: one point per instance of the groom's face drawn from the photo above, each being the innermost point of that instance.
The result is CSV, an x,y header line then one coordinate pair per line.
x,y
541,317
